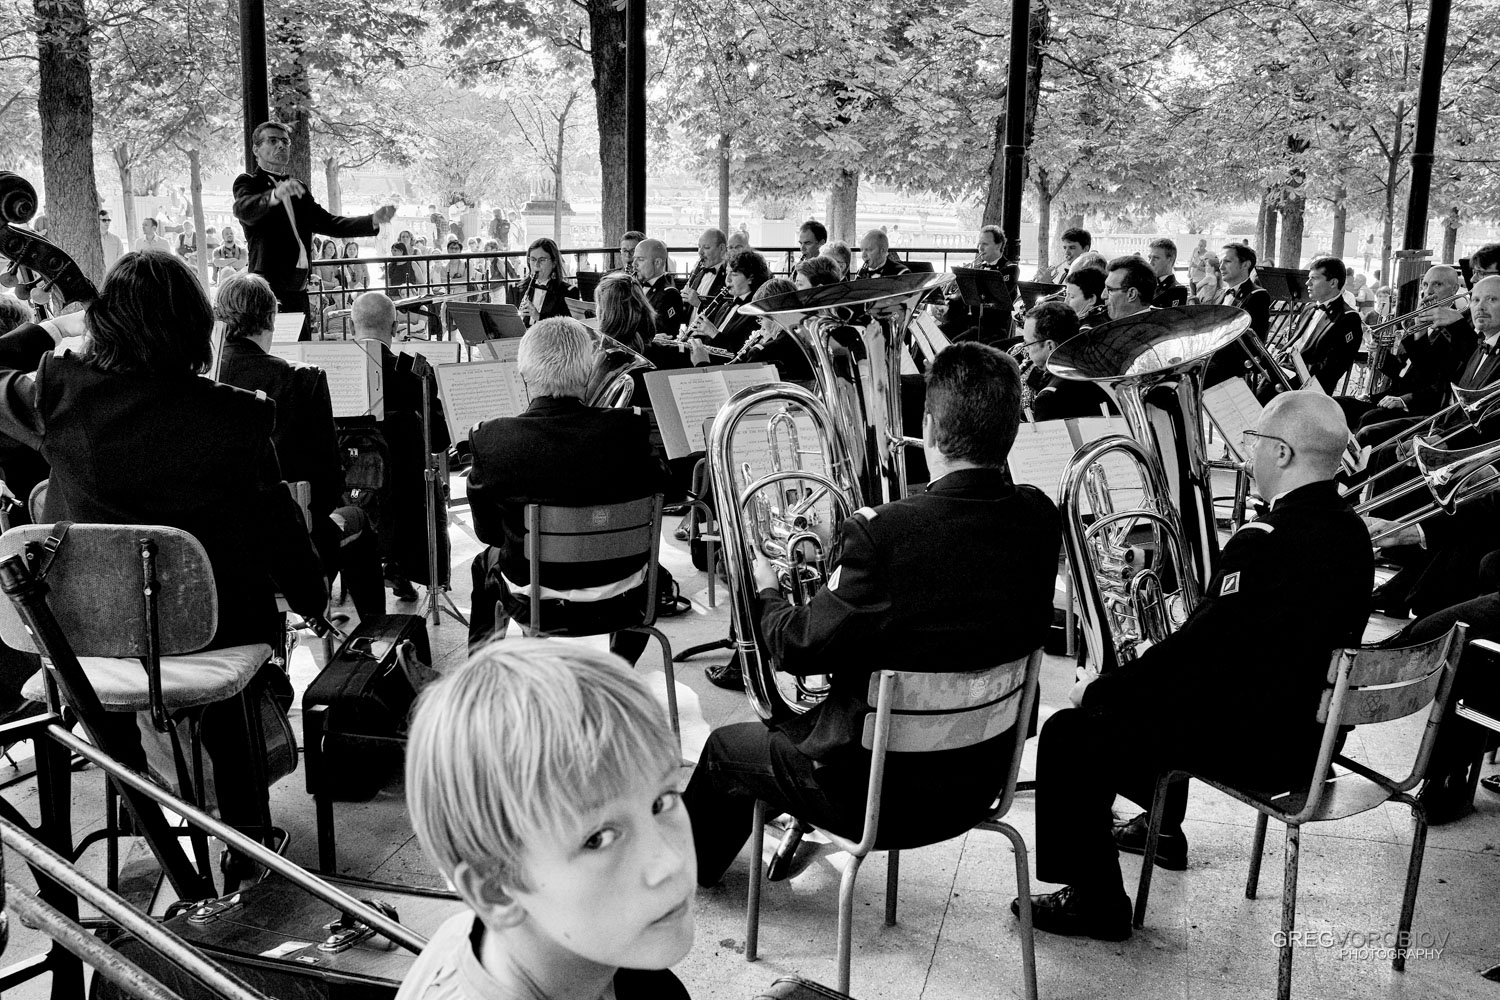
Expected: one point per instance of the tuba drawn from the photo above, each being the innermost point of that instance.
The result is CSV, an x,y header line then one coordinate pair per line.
x,y
610,383
1123,562
821,456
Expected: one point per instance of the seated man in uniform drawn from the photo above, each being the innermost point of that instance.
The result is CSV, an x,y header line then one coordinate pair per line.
x,y
305,437
1054,397
1231,693
915,587
559,451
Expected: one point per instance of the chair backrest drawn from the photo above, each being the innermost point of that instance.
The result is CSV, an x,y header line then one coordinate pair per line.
x,y
593,534
36,503
587,281
95,589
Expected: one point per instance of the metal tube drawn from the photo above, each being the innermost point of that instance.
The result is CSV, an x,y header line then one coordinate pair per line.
x,y
1014,152
253,91
251,848
154,935
1428,95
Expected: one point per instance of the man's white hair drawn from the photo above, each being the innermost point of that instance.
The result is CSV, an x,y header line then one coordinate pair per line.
x,y
556,357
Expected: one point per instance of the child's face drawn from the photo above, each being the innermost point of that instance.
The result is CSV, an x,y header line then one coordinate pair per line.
x,y
619,890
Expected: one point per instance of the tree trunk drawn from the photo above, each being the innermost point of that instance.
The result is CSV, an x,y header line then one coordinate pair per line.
x,y
291,97
127,191
724,183
1340,218
607,48
195,187
65,105
1392,175
1043,222
1260,219
1268,248
1039,27
335,202
1450,239
1293,217
842,202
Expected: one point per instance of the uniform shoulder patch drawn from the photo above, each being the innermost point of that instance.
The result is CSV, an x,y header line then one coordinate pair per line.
x,y
260,394
868,513
833,581
1231,585
636,410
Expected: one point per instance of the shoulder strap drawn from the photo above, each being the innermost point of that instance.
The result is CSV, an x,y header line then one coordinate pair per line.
x,y
39,555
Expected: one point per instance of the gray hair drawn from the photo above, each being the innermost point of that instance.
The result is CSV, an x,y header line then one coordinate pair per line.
x,y
556,357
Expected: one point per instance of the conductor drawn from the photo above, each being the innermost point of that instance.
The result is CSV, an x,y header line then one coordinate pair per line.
x,y
280,217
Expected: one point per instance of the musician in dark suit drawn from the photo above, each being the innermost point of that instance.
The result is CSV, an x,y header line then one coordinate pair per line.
x,y
136,435
1242,291
545,292
1330,334
268,202
1075,243
914,585
811,238
1232,693
1129,287
707,279
306,440
746,271
1084,294
875,257
559,451
1161,254
1054,397
651,264
955,318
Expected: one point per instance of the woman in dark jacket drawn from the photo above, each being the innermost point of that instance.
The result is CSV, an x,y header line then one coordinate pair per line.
x,y
545,291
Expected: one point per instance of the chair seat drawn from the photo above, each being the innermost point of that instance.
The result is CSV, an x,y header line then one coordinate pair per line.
x,y
190,681
1343,796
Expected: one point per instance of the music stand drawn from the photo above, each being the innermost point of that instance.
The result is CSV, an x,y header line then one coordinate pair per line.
x,y
1286,284
435,475
984,289
1033,292
587,282
479,322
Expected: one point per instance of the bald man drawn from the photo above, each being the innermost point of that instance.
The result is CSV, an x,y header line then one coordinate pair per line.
x,y
876,259
708,278
651,264
1232,693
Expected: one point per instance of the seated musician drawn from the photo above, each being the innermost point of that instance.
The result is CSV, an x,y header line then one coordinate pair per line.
x,y
559,451
1084,293
1075,242
838,251
1231,693
1054,397
1161,254
955,317
135,435
625,314
1421,366
1242,291
771,344
306,440
876,260
1330,333
708,277
400,514
811,238
725,327
541,780
815,271
915,586
545,292
651,265
1130,286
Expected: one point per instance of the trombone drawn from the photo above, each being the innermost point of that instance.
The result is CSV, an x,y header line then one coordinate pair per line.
x,y
1471,406
1454,477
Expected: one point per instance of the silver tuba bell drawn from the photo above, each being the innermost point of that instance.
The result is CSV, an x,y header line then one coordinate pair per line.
x,y
822,454
1122,562
610,383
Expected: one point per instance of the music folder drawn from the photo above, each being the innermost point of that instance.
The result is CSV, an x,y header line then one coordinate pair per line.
x,y
478,391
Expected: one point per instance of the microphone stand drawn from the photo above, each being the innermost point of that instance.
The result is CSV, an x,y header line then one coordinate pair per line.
x,y
435,464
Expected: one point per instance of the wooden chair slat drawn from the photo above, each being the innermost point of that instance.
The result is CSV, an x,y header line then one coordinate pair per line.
x,y
551,520
1367,706
1392,666
948,730
938,692
591,548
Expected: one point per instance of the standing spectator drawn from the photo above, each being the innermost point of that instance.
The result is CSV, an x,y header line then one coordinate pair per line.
x,y
1210,285
187,241
1368,250
211,240
280,216
230,255
439,223
149,239
113,248
1197,263
498,229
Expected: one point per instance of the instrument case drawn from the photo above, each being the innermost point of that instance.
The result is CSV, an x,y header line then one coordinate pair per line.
x,y
270,935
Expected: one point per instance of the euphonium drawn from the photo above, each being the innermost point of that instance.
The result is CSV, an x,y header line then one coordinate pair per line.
x,y
610,384
1154,362
788,513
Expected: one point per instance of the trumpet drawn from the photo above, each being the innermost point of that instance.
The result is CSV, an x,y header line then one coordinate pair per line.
x,y
1384,337
1453,477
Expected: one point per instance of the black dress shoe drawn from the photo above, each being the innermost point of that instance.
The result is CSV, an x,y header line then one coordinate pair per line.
x,y
1445,797
1171,848
1075,914
791,856
726,675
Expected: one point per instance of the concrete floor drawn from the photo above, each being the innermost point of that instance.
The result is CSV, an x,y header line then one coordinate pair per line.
x,y
955,937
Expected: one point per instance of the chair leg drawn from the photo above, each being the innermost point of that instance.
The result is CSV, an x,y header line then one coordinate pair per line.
x,y
1257,849
112,835
846,919
671,672
1023,895
198,794
257,735
892,880
1413,877
312,759
1153,839
1288,912
752,901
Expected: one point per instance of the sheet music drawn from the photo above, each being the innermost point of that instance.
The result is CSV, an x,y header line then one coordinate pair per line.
x,y
354,375
1041,453
1234,409
437,352
684,398
479,390
287,352
508,349
288,327
1086,429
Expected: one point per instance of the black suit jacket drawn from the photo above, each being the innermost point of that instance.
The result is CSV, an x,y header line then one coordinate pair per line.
x,y
1422,369
178,450
1059,398
306,441
721,277
889,269
561,452
268,230
554,303
916,586
671,311
1335,339
1170,292
1256,301
1246,669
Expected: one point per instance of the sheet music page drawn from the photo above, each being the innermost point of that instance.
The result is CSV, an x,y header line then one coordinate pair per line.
x,y
1041,453
1086,429
737,377
288,327
697,396
1233,408
507,349
479,390
287,352
354,391
437,352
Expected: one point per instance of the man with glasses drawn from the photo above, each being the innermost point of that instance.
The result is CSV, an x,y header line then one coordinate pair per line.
x,y
113,248
628,243
1232,693
1130,287
280,216
1054,397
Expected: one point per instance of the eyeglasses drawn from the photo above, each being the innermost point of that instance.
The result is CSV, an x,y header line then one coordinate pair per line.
x,y
539,261
1247,433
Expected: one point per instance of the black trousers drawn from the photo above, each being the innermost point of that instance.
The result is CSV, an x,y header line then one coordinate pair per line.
x,y
927,797
1477,679
347,544
294,299
1088,755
